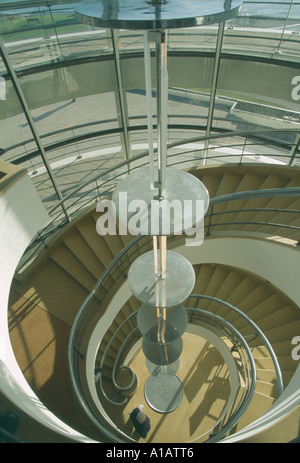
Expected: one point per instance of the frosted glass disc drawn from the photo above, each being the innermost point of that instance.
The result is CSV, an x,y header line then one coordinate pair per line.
x,y
143,15
171,291
164,393
184,205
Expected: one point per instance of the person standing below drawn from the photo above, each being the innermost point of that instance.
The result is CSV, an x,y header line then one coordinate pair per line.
x,y
140,421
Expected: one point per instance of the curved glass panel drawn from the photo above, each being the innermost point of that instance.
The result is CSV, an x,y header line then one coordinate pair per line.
x,y
85,90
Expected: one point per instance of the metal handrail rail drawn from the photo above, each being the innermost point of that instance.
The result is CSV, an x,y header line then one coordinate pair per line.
x,y
119,388
252,194
231,333
280,386
256,135
253,134
129,387
59,40
131,245
107,273
249,392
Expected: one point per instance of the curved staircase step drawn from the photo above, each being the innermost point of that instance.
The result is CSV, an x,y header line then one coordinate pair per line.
x,y
80,248
71,264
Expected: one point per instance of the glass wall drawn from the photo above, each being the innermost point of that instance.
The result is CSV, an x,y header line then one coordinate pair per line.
x,y
86,93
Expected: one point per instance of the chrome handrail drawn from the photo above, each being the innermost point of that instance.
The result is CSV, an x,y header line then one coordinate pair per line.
x,y
225,328
100,282
213,137
247,396
114,381
254,194
280,387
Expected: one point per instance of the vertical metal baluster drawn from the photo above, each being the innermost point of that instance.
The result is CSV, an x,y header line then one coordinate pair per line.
x,y
31,124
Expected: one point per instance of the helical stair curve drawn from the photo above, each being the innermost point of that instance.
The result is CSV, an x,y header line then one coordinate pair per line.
x,y
121,330
78,256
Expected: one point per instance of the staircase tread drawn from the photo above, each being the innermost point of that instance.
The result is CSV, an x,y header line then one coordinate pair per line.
x,y
70,263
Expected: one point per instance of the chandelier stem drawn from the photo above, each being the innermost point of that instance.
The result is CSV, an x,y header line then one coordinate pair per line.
x,y
162,111
148,81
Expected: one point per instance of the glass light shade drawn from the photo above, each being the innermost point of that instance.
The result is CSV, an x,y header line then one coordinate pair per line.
x,y
175,316
162,353
169,292
164,392
156,370
185,203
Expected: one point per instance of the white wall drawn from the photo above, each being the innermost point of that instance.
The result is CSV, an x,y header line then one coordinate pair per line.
x,y
21,216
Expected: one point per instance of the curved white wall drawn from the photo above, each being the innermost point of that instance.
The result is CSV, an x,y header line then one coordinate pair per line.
x,y
21,216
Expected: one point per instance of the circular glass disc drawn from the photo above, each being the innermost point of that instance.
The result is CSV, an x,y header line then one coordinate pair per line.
x,y
184,205
147,318
170,291
160,353
164,392
143,15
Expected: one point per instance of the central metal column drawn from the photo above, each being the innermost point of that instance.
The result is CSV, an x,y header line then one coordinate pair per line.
x,y
121,94
162,111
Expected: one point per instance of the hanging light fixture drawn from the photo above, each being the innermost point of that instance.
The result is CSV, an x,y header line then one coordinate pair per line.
x,y
160,279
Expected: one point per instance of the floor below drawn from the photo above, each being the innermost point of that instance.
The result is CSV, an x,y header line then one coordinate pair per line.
x,y
207,387
40,341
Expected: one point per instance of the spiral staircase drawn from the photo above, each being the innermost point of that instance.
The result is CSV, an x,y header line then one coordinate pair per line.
x,y
80,269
